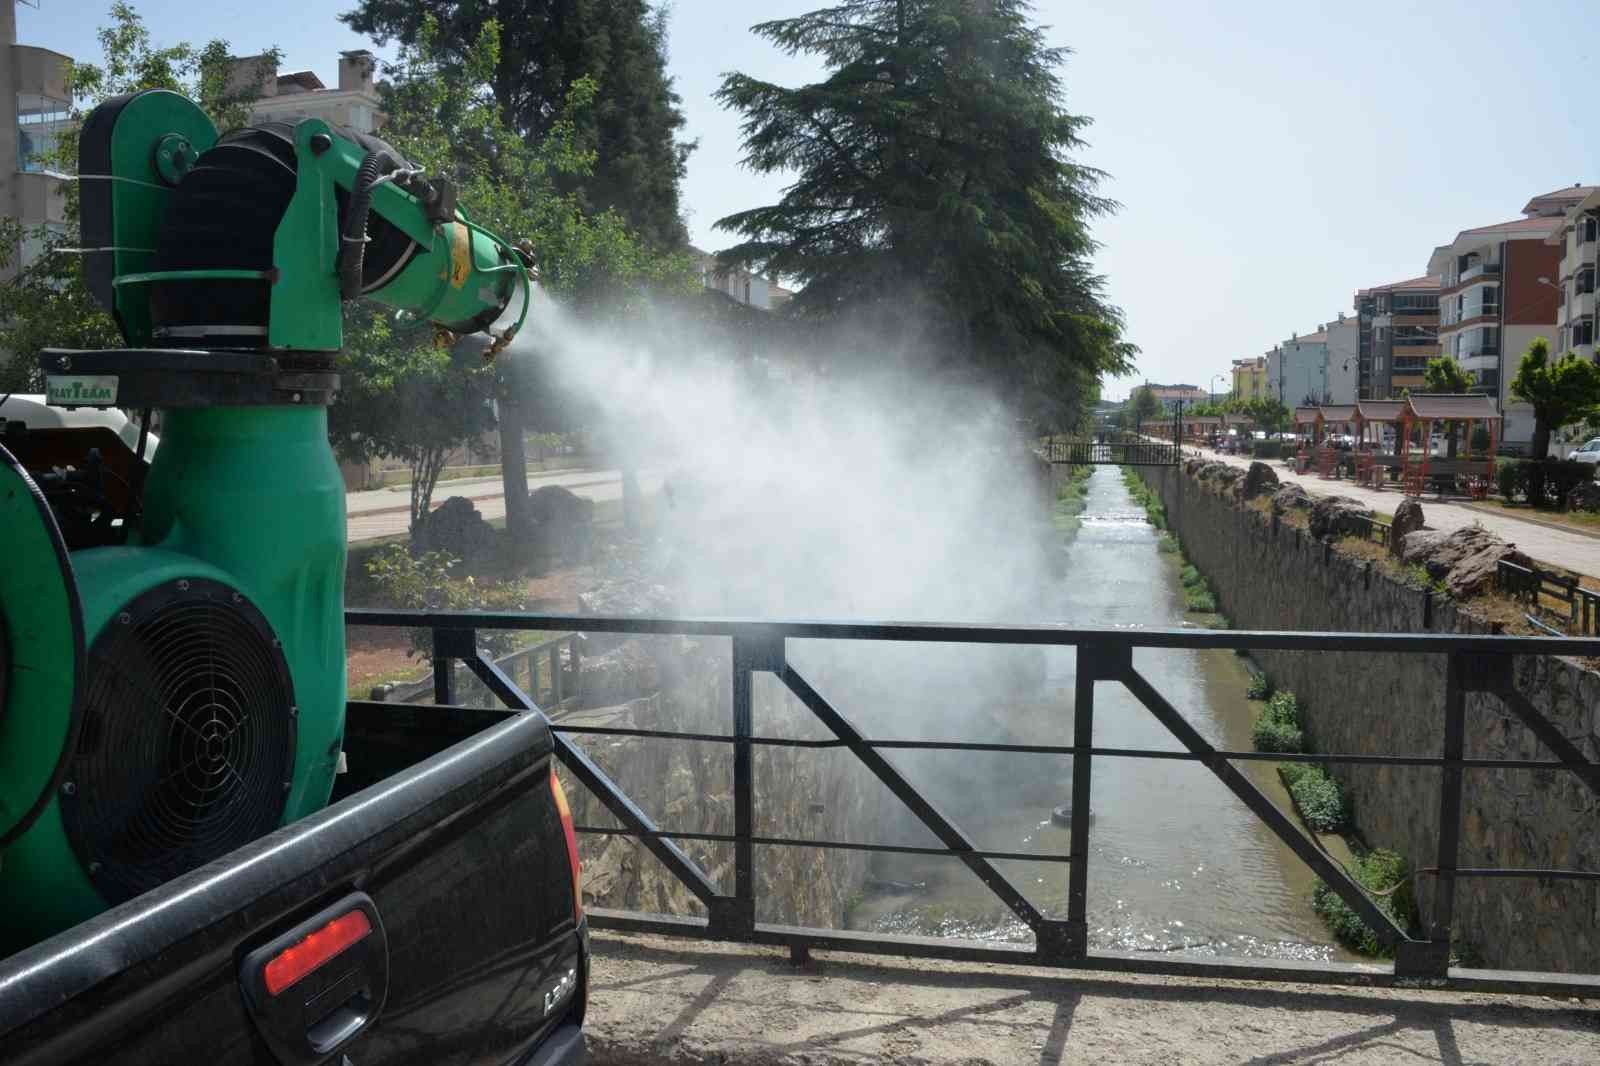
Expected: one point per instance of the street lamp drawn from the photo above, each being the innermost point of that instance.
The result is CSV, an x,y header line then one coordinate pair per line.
x,y
1214,379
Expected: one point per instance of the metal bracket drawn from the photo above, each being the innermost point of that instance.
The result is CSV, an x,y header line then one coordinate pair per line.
x,y
1105,662
731,918
1486,673
1422,958
1057,941
759,653
455,643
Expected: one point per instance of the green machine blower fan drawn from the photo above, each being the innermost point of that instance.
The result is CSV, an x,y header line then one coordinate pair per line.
x,y
172,657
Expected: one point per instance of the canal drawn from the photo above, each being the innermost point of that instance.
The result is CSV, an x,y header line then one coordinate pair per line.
x,y
1177,863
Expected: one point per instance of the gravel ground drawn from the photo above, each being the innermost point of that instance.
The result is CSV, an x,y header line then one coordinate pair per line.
x,y
656,1000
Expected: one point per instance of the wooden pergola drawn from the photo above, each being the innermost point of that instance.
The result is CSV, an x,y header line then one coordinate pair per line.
x,y
1371,459
1316,421
1427,408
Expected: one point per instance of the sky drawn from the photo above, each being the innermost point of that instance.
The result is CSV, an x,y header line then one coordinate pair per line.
x,y
1270,158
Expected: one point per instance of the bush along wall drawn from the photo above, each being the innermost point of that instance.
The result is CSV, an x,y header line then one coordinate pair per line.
x,y
1324,808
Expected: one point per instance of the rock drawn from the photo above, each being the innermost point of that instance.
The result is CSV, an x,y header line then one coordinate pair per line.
x,y
1585,496
1259,479
1407,520
1333,516
1291,497
564,521
455,527
1465,559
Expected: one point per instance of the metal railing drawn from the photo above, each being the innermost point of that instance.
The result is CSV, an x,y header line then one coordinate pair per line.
x,y
551,681
1531,585
1112,453
1474,663
1372,529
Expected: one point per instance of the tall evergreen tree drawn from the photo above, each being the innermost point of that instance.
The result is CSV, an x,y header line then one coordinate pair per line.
x,y
548,46
936,194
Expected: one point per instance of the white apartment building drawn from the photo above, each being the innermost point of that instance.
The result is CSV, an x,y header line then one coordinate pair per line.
x,y
739,284
33,89
1497,294
1344,359
1575,302
301,94
1323,367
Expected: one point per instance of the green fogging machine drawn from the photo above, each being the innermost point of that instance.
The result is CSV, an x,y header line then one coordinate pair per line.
x,y
172,653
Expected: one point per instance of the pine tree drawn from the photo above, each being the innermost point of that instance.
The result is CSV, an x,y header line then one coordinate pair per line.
x,y
936,196
548,46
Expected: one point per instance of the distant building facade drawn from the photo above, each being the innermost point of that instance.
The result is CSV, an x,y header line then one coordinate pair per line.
x,y
1499,293
298,95
33,90
739,284
1250,378
1577,242
1297,370
1169,396
1398,332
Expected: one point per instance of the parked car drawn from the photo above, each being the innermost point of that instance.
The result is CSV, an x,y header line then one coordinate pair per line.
x,y
1589,453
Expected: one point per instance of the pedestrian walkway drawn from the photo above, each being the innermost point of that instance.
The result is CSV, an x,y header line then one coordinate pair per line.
x,y
1553,547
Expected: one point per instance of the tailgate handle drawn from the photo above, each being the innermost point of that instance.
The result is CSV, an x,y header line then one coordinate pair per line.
x,y
313,988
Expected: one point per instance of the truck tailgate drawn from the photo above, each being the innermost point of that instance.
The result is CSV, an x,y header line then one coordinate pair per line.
x,y
463,858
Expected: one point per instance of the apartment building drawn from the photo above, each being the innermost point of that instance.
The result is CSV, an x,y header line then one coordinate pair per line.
x,y
33,89
1250,378
1310,370
298,95
1575,302
1498,293
1169,396
1398,326
739,284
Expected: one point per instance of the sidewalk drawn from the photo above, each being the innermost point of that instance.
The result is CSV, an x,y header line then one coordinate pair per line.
x,y
1546,544
387,512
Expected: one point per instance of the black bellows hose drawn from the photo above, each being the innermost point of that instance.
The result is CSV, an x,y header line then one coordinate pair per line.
x,y
353,239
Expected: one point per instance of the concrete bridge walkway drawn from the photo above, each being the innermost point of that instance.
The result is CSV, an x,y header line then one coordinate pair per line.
x,y
658,1000
1556,547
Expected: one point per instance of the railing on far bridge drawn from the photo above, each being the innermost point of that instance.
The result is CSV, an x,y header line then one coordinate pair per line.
x,y
1473,663
1111,453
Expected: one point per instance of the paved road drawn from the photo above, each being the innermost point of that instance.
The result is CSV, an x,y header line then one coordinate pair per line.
x,y
1572,551
386,512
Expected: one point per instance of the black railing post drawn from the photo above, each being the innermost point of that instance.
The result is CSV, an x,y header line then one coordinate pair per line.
x,y
448,646
1088,667
1455,733
738,920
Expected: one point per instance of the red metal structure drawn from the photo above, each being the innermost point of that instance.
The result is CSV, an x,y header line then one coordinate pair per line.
x,y
1468,409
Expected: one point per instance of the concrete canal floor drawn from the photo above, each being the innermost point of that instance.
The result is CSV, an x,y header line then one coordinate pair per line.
x,y
659,1000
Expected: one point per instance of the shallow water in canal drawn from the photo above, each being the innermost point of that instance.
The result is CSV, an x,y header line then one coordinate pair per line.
x,y
1177,863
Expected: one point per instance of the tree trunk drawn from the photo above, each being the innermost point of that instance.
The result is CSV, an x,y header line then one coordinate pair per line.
x,y
425,471
1541,438
514,477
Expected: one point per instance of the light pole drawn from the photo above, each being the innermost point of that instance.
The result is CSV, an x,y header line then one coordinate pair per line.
x,y
1214,379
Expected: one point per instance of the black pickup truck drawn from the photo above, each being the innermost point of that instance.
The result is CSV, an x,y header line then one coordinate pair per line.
x,y
430,914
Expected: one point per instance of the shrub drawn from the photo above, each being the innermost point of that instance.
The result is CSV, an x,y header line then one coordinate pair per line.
x,y
1200,601
1191,577
1480,440
1260,687
1283,707
1267,449
1510,478
1380,871
1167,545
1320,800
424,583
1292,772
1273,736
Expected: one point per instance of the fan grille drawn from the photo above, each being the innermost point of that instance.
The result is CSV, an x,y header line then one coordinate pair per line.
x,y
187,747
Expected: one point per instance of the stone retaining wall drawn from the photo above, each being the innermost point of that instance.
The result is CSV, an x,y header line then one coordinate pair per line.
x,y
1274,576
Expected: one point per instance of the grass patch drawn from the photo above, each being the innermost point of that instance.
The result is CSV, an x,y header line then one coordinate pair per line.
x,y
1385,875
1260,687
1200,601
1277,728
1168,545
1318,797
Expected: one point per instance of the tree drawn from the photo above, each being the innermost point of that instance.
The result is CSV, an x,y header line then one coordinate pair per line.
x,y
1268,413
934,196
1565,391
546,48
1444,375
1146,408
48,303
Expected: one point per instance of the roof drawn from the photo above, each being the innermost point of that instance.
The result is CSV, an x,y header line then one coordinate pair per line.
x,y
1233,418
1426,281
1306,415
1542,224
1567,193
306,79
1339,413
1456,406
1380,410
1319,337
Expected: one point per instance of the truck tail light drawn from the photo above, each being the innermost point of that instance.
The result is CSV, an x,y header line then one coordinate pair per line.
x,y
316,948
572,844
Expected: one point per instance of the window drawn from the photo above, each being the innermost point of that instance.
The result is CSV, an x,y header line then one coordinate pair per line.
x,y
40,123
1489,381
1584,282
1490,300
1583,331
1588,228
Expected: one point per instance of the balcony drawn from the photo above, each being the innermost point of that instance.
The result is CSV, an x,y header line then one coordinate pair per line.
x,y
1479,270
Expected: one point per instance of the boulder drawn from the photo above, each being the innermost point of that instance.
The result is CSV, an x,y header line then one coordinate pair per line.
x,y
1291,497
1260,478
455,527
1465,559
564,522
1407,520
1334,516
1585,496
